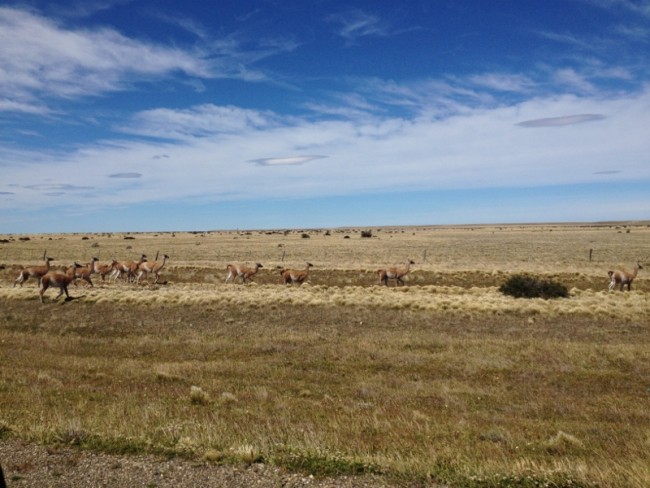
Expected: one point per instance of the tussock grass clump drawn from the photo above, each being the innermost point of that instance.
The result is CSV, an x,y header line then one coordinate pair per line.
x,y
247,454
198,396
526,286
213,456
228,398
563,444
74,434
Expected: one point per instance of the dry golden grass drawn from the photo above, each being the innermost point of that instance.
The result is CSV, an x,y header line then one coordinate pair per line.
x,y
534,248
444,379
454,300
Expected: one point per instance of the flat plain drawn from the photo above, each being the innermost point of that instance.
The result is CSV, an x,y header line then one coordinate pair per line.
x,y
444,380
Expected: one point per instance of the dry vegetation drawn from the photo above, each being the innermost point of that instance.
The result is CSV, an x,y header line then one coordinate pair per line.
x,y
444,379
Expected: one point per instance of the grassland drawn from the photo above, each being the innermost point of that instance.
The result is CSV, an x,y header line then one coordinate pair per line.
x,y
443,380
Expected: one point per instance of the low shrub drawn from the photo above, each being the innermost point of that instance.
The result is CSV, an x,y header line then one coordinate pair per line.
x,y
526,286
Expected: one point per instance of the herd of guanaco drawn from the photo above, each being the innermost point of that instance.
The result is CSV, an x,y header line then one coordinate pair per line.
x,y
134,271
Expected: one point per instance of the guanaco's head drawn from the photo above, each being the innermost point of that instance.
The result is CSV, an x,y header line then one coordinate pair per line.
x,y
309,265
259,265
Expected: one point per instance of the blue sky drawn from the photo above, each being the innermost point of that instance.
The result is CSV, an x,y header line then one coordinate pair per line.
x,y
120,115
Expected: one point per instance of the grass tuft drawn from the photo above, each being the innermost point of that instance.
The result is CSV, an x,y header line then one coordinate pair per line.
x,y
247,454
198,396
213,456
74,434
564,444
228,398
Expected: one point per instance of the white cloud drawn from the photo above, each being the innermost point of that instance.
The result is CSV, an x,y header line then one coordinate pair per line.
x,y
208,150
429,97
200,121
7,105
38,57
41,58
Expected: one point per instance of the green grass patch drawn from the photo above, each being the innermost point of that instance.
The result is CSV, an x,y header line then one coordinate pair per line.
x,y
323,464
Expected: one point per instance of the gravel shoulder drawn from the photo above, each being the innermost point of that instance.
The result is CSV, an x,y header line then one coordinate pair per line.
x,y
31,465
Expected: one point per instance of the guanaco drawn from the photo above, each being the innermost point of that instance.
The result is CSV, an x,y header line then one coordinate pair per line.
x,y
241,271
58,280
295,275
33,272
394,273
622,277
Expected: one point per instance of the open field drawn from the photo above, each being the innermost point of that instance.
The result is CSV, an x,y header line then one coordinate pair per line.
x,y
444,380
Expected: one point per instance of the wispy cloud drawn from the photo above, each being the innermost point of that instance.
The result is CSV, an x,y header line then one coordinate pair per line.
x,y
187,24
354,24
634,32
568,39
427,97
573,80
82,8
7,105
195,122
641,7
41,58
503,82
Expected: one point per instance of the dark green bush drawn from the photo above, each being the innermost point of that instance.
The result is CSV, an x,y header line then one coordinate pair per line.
x,y
525,286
